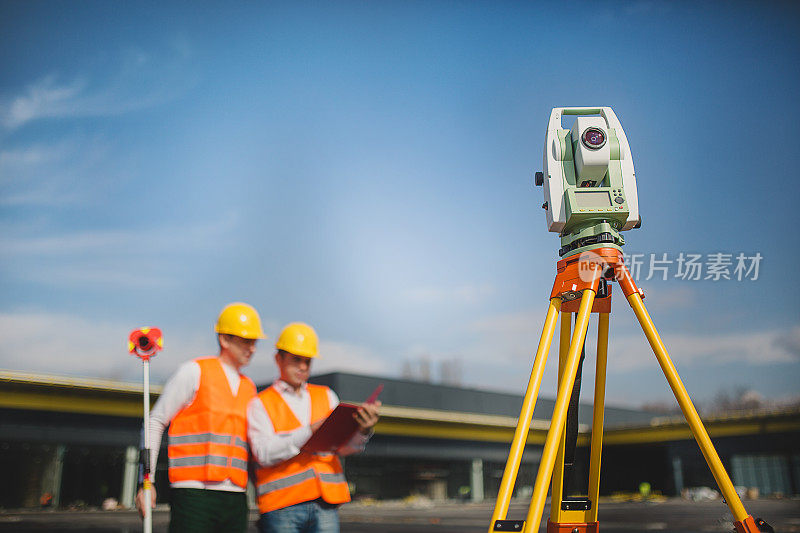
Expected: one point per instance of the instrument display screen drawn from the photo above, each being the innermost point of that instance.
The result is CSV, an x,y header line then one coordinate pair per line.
x,y
593,199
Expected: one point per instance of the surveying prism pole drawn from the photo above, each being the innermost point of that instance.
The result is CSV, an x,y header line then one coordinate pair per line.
x,y
144,343
148,512
590,198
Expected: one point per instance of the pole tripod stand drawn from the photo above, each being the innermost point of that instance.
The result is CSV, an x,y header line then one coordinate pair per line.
x,y
583,286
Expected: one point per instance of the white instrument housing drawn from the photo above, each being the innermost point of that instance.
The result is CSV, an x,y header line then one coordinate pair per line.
x,y
588,162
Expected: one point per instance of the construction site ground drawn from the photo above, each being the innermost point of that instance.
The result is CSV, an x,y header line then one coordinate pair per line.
x,y
672,515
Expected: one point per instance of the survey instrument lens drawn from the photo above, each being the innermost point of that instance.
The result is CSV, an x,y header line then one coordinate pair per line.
x,y
593,138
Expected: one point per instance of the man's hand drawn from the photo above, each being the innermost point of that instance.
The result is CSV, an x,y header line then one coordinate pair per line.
x,y
367,416
140,500
315,426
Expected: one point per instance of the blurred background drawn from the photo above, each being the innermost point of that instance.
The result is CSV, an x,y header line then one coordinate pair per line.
x,y
367,167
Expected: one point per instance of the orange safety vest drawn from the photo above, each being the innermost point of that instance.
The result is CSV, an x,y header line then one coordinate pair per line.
x,y
208,437
305,476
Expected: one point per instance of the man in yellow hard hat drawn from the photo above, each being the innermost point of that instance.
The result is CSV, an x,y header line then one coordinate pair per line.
x,y
299,491
205,406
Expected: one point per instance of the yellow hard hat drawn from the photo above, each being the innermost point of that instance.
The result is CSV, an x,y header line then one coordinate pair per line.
x,y
241,320
299,339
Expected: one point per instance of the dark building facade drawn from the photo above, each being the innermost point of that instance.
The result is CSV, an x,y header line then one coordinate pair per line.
x,y
447,442
77,440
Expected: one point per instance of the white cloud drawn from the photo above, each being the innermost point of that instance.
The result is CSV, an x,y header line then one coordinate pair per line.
x,y
136,82
759,347
71,243
663,297
347,357
68,171
42,99
64,344
499,357
12,160
106,257
511,339
463,294
517,335
508,336
184,237
57,343
79,169
334,357
790,341
112,274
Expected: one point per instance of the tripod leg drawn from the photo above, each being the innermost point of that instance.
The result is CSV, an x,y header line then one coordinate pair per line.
x,y
559,414
744,522
597,417
525,415
557,485
569,512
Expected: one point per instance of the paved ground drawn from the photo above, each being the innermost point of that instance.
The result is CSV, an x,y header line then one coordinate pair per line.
x,y
671,516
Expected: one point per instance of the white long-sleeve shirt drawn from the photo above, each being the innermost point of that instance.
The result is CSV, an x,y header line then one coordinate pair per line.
x,y
269,448
180,391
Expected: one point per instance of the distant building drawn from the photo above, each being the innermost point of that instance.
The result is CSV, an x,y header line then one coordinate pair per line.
x,y
436,439
77,441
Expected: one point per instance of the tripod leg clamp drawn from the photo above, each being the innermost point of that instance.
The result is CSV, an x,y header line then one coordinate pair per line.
x,y
508,525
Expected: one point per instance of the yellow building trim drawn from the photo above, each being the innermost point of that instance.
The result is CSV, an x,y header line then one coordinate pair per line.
x,y
42,392
434,415
728,428
89,384
454,431
71,404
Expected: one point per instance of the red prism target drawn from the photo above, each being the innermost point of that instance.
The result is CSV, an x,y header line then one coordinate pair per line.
x,y
145,342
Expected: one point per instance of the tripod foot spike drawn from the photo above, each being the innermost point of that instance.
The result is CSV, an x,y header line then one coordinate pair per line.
x,y
553,527
749,525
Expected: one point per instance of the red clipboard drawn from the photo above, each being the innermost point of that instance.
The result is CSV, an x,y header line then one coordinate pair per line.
x,y
338,428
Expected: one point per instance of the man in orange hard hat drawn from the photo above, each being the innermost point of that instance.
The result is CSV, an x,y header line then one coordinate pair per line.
x,y
205,406
299,491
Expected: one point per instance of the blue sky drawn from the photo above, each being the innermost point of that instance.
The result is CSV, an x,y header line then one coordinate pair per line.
x,y
367,167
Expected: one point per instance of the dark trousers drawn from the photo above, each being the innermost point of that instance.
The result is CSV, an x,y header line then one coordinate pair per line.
x,y
207,511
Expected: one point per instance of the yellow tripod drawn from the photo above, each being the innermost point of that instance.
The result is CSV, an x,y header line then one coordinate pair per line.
x,y
576,286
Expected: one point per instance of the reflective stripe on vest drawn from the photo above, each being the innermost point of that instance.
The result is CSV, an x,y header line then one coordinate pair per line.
x,y
288,481
305,476
296,479
199,460
208,460
200,438
336,477
208,438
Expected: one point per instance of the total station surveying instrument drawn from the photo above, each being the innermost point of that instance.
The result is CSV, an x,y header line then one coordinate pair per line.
x,y
590,198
